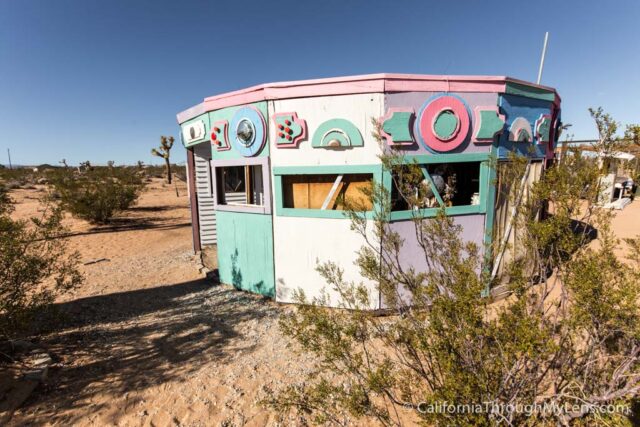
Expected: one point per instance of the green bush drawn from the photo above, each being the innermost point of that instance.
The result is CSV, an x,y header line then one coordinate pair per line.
x,y
563,348
34,266
97,194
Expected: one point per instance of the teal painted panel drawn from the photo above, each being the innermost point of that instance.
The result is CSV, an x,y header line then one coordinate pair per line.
x,y
227,114
529,91
341,130
245,251
398,126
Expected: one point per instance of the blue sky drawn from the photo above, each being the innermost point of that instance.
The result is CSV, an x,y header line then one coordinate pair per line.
x,y
102,80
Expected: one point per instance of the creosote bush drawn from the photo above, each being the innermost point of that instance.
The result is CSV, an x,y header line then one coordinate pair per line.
x,y
563,348
35,266
97,193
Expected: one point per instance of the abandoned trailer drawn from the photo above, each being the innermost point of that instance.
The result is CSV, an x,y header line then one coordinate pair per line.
x,y
267,164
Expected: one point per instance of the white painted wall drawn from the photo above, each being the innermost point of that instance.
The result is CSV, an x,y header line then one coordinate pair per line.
x,y
300,243
359,109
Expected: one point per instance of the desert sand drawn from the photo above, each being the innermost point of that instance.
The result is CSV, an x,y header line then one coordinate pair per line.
x,y
148,340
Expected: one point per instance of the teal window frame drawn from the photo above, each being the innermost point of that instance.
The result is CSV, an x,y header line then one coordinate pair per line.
x,y
382,176
279,172
427,159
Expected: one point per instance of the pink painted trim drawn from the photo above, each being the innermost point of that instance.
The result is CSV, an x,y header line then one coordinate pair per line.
x,y
476,124
426,122
388,138
372,83
296,141
224,127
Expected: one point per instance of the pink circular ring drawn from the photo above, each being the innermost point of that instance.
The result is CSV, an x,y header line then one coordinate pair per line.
x,y
429,115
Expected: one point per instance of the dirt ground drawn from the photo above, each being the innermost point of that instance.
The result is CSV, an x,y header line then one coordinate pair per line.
x,y
148,340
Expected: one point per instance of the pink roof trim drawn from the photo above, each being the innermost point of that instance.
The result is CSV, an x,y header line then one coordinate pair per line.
x,y
370,83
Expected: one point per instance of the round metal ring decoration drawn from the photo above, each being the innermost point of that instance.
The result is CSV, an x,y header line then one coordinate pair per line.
x,y
248,131
443,123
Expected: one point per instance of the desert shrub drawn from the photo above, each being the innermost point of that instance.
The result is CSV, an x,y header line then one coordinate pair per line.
x,y
98,193
562,349
35,266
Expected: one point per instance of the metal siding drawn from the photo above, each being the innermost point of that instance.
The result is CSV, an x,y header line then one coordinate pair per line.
x,y
206,211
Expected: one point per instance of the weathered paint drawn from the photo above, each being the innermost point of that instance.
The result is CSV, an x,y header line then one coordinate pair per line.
x,y
193,200
245,251
343,131
416,100
302,243
228,115
305,236
488,123
520,131
220,135
278,172
372,83
187,142
397,126
530,91
515,107
543,129
266,180
289,130
357,109
411,254
442,108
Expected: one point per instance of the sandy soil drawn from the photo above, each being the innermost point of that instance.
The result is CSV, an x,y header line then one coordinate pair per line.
x,y
148,340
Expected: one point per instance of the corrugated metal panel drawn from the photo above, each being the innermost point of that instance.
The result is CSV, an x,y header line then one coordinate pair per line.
x,y
239,197
206,211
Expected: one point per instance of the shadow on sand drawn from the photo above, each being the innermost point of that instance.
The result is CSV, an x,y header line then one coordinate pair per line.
x,y
112,344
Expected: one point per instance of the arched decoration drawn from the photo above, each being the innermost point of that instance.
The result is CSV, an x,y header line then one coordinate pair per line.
x,y
337,133
443,123
247,131
543,129
290,130
396,126
520,130
220,135
488,123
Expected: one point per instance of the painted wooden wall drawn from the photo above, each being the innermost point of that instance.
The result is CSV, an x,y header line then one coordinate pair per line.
x,y
245,251
206,211
300,242
358,109
276,251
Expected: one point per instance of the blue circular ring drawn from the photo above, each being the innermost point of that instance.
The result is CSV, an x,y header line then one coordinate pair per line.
x,y
255,117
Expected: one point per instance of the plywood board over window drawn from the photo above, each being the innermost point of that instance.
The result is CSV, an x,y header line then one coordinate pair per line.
x,y
326,191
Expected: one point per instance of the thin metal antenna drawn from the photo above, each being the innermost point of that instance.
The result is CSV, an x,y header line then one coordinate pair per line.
x,y
544,53
9,155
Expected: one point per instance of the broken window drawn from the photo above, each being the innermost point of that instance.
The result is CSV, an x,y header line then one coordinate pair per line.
x,y
433,185
326,191
240,185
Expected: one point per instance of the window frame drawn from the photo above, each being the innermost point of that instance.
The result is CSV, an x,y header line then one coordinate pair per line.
x,y
426,159
266,185
279,172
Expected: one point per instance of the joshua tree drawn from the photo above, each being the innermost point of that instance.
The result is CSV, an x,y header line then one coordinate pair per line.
x,y
163,151
63,162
